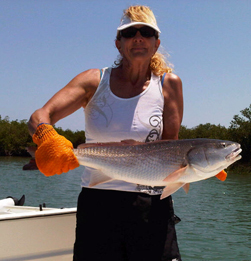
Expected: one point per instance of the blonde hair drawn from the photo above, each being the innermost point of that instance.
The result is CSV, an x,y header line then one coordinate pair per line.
x,y
158,64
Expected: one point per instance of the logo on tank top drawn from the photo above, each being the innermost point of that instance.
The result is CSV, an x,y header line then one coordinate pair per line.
x,y
154,134
101,109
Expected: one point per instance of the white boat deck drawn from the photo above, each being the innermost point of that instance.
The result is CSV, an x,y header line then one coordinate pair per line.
x,y
27,233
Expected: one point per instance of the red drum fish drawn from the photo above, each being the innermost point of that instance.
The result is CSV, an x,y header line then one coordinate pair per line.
x,y
169,163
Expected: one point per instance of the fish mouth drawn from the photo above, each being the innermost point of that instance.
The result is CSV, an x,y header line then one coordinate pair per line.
x,y
234,155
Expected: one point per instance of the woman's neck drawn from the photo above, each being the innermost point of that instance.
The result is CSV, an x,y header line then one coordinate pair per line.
x,y
127,83
134,74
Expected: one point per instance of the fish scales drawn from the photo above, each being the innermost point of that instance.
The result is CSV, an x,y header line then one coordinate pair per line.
x,y
125,162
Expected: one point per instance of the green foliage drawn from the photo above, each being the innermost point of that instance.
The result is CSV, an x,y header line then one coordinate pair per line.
x,y
15,137
76,138
240,131
209,131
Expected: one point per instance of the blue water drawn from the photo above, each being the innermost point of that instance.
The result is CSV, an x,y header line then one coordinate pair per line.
x,y
216,216
56,191
216,219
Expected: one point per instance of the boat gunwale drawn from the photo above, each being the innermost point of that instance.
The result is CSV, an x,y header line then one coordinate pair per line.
x,y
37,214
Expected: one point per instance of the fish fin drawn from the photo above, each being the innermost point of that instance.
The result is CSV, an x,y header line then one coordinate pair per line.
x,y
186,187
110,144
131,142
174,176
98,178
222,175
170,189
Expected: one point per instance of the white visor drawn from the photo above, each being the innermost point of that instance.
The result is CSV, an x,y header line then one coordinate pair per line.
x,y
127,22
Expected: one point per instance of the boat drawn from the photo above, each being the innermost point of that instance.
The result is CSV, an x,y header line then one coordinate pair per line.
x,y
35,233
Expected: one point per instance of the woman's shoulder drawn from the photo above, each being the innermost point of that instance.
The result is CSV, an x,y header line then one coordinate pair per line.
x,y
172,85
90,76
172,78
86,83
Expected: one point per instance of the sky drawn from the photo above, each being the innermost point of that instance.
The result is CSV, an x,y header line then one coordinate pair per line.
x,y
46,43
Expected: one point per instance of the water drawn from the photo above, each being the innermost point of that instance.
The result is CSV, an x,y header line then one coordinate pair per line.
x,y
56,191
216,219
216,216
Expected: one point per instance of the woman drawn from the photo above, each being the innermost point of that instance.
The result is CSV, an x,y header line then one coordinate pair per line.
x,y
139,99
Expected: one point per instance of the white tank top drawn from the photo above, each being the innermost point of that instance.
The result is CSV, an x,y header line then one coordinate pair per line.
x,y
111,118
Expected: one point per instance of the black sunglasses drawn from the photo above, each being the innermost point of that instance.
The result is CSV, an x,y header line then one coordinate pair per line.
x,y
145,31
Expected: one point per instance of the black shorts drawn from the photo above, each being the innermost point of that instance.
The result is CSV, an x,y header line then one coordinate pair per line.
x,y
115,226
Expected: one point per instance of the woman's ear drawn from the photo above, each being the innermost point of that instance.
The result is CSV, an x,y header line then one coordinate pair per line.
x,y
157,44
118,45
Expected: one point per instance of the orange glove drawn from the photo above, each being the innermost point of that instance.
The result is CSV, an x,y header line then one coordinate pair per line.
x,y
54,154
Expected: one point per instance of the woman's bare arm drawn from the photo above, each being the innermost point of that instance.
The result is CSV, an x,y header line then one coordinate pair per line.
x,y
173,106
74,95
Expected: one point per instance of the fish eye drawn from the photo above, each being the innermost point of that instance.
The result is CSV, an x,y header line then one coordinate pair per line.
x,y
223,145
